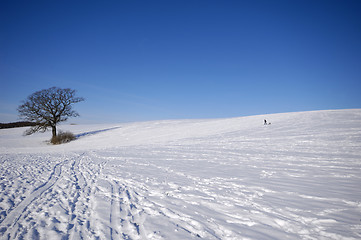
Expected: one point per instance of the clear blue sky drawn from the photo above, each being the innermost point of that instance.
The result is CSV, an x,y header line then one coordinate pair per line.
x,y
147,60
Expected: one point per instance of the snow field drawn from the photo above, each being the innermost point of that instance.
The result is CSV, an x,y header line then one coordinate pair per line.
x,y
298,178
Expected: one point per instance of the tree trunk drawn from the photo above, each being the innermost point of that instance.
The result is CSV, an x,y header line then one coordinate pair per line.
x,y
53,129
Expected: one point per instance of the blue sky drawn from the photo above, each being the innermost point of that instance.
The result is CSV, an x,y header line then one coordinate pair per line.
x,y
147,60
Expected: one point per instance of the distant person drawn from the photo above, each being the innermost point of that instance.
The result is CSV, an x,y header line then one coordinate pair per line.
x,y
265,122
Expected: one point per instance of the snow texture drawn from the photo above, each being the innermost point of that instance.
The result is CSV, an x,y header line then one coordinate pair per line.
x,y
298,178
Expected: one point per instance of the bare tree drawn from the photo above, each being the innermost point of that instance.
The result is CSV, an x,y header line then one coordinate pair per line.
x,y
48,107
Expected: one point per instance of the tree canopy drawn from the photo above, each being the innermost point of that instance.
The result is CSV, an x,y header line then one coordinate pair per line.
x,y
48,107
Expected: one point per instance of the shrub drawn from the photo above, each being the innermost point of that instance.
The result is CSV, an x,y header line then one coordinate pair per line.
x,y
62,137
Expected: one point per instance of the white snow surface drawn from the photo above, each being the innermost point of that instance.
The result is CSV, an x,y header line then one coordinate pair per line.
x,y
298,178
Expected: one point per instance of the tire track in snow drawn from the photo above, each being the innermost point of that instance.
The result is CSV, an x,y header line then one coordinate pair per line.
x,y
9,223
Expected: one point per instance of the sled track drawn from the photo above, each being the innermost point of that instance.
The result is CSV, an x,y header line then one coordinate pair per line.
x,y
218,179
8,226
61,207
178,192
126,220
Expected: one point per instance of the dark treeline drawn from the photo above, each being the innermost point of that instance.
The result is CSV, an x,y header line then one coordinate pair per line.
x,y
16,124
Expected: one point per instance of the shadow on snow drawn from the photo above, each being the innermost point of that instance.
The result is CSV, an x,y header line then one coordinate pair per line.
x,y
94,132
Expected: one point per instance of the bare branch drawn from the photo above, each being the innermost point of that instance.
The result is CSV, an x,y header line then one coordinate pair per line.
x,y
48,107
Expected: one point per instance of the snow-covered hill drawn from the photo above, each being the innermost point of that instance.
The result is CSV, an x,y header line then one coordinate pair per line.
x,y
298,178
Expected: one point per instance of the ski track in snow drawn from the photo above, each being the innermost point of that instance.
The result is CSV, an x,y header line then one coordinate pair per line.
x,y
243,182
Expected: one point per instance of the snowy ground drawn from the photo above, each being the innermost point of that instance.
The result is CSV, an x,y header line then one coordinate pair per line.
x,y
298,178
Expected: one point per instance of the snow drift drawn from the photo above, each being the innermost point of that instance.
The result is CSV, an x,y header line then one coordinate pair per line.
x,y
298,178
